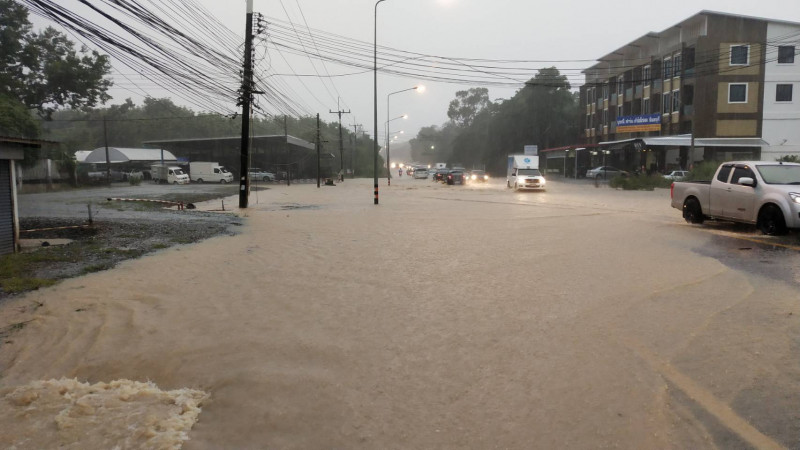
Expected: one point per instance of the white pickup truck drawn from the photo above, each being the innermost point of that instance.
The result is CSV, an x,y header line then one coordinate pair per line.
x,y
763,193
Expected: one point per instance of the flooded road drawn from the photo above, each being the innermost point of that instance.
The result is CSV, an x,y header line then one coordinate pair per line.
x,y
445,317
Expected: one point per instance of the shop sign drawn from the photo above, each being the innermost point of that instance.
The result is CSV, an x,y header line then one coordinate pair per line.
x,y
634,124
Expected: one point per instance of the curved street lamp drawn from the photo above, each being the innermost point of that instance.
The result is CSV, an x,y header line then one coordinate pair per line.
x,y
419,88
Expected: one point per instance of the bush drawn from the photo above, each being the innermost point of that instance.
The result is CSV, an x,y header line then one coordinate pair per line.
x,y
640,182
135,180
789,158
703,172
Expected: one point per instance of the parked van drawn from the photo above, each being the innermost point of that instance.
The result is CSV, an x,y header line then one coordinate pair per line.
x,y
168,174
209,172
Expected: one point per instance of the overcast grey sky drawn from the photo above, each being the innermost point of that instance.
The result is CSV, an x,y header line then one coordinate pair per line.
x,y
497,29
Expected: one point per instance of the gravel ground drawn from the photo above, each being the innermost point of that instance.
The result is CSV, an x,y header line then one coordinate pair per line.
x,y
132,231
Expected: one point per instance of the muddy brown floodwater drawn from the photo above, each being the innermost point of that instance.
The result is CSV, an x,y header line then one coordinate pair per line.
x,y
446,317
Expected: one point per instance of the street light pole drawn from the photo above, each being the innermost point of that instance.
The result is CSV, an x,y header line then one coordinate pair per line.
x,y
375,104
388,155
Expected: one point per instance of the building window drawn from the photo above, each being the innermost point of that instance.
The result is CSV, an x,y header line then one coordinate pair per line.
x,y
605,116
786,54
621,86
667,68
646,105
605,90
783,93
619,111
676,65
666,103
737,93
676,101
740,55
646,75
588,121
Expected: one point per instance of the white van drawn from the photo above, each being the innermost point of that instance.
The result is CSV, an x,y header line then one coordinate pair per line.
x,y
209,172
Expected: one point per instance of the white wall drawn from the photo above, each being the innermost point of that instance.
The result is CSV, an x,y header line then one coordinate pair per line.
x,y
781,126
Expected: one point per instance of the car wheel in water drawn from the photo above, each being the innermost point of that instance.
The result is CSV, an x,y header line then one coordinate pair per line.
x,y
200,180
174,182
692,212
222,181
771,222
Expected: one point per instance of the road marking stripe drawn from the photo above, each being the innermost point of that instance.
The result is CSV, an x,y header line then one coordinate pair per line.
x,y
719,409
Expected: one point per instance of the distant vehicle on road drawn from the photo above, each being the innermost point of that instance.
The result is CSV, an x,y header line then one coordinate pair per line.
x,y
455,177
766,194
260,175
605,172
478,176
420,173
677,175
440,175
523,173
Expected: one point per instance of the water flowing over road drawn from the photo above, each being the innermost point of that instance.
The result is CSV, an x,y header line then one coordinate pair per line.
x,y
446,317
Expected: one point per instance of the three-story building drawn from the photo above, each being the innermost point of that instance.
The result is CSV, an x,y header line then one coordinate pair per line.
x,y
715,86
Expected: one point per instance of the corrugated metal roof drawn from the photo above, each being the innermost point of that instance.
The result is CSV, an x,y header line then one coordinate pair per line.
x,y
121,155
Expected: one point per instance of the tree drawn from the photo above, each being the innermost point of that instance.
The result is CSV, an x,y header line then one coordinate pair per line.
x,y
43,70
17,121
467,105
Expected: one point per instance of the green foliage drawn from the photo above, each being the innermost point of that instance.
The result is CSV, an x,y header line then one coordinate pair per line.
x,y
467,105
134,180
481,133
789,158
702,172
640,182
16,120
43,70
14,285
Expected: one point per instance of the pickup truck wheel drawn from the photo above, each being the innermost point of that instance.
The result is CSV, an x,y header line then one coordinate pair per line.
x,y
174,182
200,180
222,181
770,221
692,212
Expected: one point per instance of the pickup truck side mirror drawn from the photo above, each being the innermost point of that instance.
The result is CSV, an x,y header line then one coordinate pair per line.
x,y
747,181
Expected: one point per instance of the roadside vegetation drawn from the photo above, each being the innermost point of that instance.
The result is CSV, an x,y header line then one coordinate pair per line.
x,y
640,182
703,171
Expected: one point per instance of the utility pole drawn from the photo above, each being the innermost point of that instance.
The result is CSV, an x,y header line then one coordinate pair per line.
x,y
108,159
286,150
247,93
341,144
352,153
318,151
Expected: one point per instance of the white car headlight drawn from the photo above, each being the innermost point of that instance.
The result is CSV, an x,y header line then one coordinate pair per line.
x,y
795,197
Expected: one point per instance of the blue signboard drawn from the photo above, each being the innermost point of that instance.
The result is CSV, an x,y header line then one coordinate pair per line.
x,y
632,124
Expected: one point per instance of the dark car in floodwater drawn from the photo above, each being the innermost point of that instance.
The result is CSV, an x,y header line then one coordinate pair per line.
x,y
455,177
